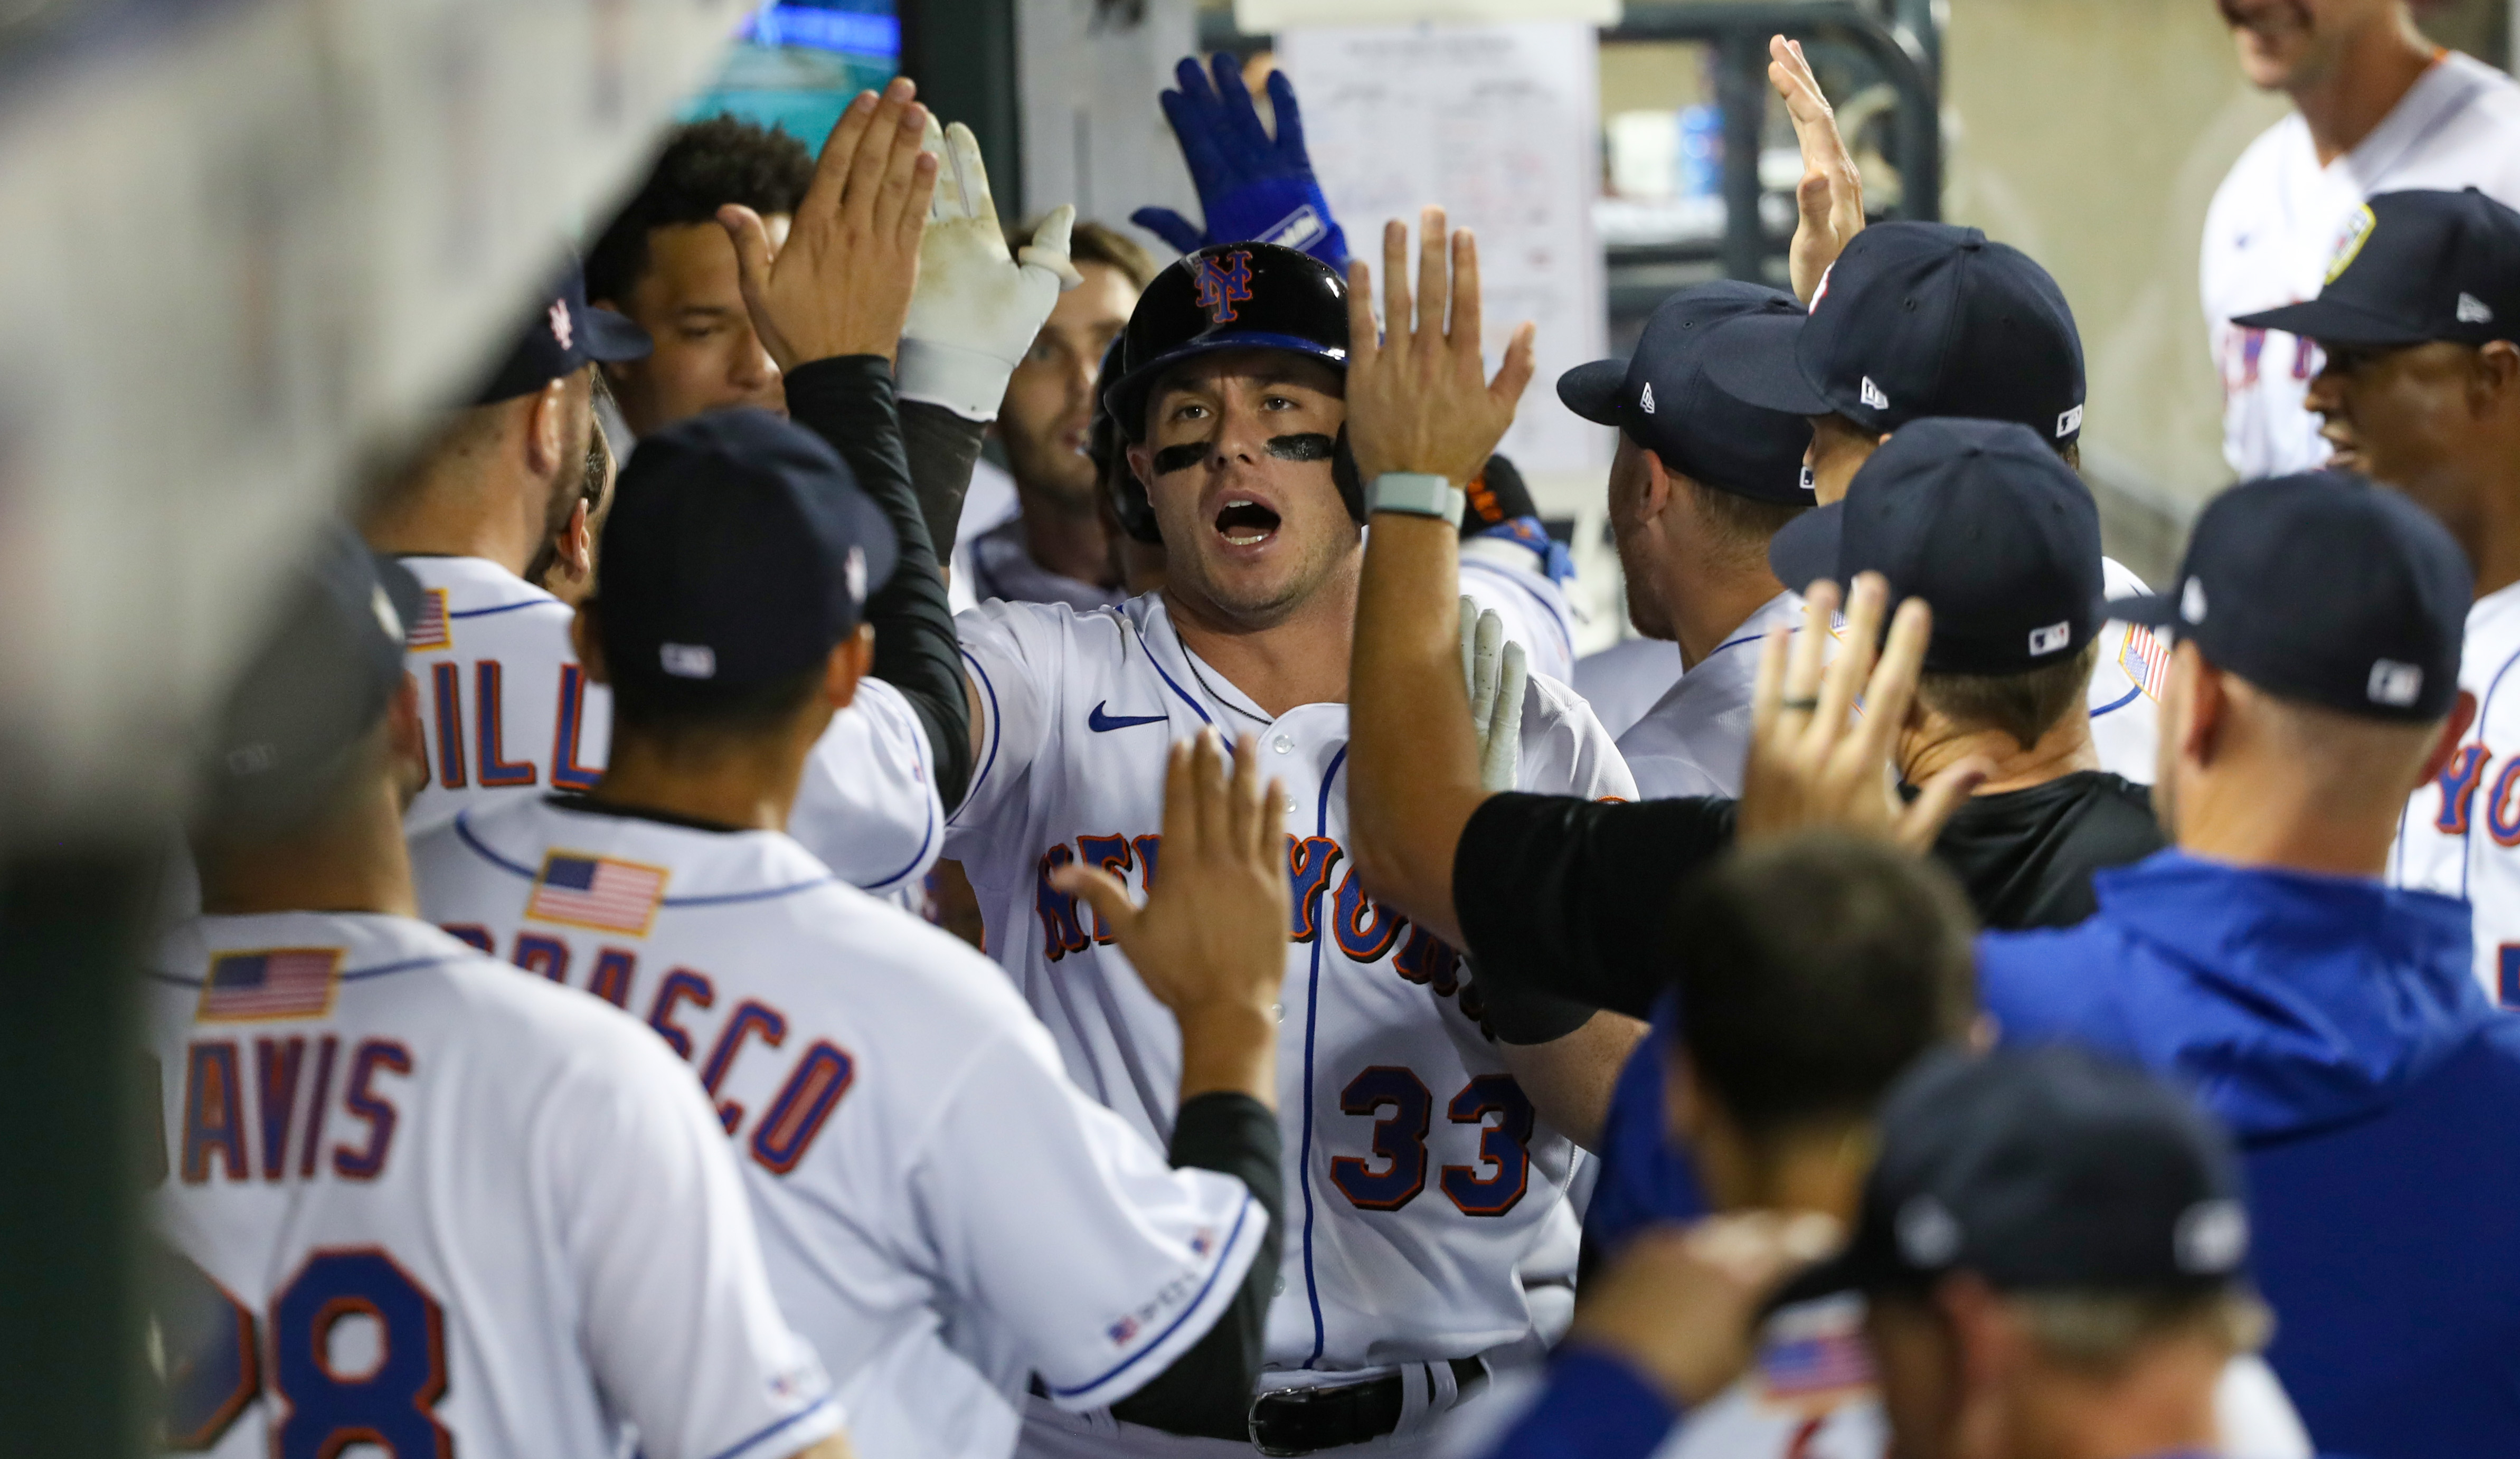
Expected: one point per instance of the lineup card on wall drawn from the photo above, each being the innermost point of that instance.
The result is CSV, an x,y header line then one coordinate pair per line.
x,y
1498,124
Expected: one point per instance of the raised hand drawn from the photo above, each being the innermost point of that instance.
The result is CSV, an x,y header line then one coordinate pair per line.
x,y
1819,759
976,308
1419,398
1252,186
1210,942
1830,199
842,284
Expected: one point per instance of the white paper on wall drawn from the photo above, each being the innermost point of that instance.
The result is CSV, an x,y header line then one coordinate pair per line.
x,y
1498,124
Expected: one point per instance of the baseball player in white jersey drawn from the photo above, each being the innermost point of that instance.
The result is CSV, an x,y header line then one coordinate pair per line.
x,y
1427,1220
945,1215
507,709
2419,389
410,1198
2289,203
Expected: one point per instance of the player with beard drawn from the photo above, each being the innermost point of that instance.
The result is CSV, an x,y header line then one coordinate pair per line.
x,y
1055,547
1431,1235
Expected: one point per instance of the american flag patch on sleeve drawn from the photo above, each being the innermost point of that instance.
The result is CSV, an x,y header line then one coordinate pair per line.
x,y
1819,1364
590,891
2145,659
431,629
1813,1351
276,983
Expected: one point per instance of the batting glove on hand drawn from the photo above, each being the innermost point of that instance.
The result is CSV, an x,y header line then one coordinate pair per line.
x,y
1494,669
1253,188
976,308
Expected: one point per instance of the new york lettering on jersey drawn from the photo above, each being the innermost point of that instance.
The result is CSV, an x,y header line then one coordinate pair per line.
x,y
2460,835
507,711
377,1168
1426,1202
907,1133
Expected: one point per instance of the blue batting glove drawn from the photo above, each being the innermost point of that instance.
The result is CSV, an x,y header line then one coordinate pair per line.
x,y
1252,186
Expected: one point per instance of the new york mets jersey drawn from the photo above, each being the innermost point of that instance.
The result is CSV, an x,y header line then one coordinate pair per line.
x,y
2277,220
506,711
1697,739
1500,574
943,1213
415,1201
2125,693
1423,1197
2460,835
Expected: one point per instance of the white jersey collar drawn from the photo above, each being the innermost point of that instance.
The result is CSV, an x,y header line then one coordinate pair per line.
x,y
474,585
370,942
1193,679
704,867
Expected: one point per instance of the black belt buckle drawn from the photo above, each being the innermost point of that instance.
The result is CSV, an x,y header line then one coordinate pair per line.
x,y
1290,1422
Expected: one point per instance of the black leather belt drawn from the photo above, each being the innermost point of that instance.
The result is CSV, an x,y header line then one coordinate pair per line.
x,y
1302,1420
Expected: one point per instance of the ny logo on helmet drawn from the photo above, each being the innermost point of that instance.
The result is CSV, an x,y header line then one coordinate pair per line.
x,y
1223,284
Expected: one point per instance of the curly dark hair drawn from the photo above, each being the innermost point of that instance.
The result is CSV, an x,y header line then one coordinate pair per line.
x,y
704,167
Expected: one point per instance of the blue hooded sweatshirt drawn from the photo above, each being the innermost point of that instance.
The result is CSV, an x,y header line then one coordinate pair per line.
x,y
2336,1025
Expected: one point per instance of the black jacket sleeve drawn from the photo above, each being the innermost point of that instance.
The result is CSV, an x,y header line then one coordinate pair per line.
x,y
1570,898
848,402
943,447
1207,1390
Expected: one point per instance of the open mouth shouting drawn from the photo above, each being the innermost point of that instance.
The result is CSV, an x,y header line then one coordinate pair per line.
x,y
1245,522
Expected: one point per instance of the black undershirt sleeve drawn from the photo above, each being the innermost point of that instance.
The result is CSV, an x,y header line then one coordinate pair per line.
x,y
1570,899
1206,1393
848,402
943,447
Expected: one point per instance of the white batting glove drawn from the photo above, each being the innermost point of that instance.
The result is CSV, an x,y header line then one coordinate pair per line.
x,y
1495,669
976,308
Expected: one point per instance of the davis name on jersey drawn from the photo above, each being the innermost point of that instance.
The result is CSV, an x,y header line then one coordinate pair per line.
x,y
1424,1199
2278,219
414,1200
2460,835
944,1213
506,711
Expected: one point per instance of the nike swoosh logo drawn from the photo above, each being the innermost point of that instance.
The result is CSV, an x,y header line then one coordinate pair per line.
x,y
1103,723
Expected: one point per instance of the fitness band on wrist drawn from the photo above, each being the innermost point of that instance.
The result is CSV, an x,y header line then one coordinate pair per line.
x,y
1418,493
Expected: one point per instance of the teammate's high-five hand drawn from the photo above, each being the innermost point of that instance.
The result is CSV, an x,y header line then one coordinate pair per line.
x,y
978,307
841,285
1831,196
1821,756
1419,398
1210,944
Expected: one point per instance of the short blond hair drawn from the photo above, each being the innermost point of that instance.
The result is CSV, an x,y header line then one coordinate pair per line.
x,y
2103,1332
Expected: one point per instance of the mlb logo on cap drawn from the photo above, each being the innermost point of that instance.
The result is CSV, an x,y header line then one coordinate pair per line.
x,y
2396,685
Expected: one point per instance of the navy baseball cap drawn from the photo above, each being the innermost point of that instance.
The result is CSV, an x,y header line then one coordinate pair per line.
x,y
562,335
1221,297
2046,1170
315,684
2326,589
2415,267
740,550
1981,520
1661,398
1917,320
